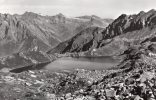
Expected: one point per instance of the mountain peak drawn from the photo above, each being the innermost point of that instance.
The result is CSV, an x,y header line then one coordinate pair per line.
x,y
152,11
60,15
123,16
94,16
30,15
89,17
141,13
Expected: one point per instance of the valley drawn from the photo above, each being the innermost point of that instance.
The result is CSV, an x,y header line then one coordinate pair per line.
x,y
93,60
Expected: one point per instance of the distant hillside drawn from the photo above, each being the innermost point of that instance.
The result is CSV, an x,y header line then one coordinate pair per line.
x,y
97,21
18,60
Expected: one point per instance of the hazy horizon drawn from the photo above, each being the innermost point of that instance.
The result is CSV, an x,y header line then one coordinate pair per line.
x,y
73,8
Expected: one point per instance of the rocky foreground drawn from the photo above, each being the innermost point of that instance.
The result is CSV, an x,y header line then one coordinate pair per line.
x,y
133,80
46,85
130,37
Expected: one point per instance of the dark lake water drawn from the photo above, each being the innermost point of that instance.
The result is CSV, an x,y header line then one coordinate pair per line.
x,y
91,63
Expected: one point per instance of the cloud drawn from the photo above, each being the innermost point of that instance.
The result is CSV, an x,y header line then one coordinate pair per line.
x,y
35,2
103,8
1,1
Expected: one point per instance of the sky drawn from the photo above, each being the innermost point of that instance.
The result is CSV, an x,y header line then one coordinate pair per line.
x,y
73,8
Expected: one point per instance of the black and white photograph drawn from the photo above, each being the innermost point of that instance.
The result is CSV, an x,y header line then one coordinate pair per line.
x,y
77,49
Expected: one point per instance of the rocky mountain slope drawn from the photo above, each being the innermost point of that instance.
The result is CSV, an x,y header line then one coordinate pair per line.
x,y
115,38
134,78
30,58
23,32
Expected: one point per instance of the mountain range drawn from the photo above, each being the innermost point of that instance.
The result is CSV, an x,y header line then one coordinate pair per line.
x,y
30,35
20,33
115,38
